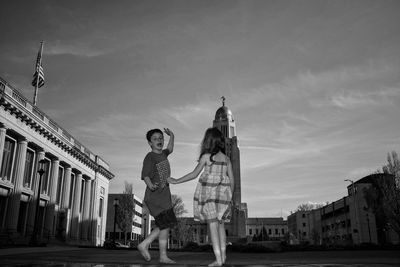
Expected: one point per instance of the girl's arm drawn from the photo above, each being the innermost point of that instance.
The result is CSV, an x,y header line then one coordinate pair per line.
x,y
192,175
230,175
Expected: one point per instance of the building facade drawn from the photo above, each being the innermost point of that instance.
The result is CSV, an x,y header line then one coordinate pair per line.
x,y
304,226
262,228
347,221
140,220
66,201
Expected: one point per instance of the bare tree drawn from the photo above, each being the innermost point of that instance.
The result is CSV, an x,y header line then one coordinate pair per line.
x,y
181,232
178,205
126,210
309,206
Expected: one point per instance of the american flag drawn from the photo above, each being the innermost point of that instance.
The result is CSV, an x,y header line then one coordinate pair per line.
x,y
39,70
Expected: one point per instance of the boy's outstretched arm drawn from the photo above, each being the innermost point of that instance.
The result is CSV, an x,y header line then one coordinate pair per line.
x,y
170,145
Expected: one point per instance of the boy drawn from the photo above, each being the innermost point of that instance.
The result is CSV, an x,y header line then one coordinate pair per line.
x,y
155,171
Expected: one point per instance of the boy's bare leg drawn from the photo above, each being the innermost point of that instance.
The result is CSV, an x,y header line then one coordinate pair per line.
x,y
143,247
222,240
162,242
215,244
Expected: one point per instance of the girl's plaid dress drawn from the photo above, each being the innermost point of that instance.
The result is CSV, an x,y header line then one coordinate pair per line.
x,y
213,195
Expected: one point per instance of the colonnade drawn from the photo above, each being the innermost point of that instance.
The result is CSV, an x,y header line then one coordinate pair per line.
x,y
66,210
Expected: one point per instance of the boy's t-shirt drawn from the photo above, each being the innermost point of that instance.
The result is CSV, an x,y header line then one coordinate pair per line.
x,y
156,167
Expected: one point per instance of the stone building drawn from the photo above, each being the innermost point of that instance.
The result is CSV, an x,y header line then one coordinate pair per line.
x,y
66,202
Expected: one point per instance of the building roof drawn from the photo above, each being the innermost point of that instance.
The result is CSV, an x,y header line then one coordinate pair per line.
x,y
373,178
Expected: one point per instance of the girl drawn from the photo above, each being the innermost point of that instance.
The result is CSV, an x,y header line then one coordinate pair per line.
x,y
213,195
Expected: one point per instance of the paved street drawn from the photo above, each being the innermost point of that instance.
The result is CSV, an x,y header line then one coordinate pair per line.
x,y
85,257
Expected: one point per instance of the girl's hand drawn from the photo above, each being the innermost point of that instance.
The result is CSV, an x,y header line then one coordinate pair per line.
x,y
172,180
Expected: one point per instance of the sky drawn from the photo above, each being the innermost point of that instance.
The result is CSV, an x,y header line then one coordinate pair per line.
x,y
314,86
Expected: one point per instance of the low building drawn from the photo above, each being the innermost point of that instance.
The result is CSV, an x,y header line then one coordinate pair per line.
x,y
52,187
347,221
135,232
305,227
274,228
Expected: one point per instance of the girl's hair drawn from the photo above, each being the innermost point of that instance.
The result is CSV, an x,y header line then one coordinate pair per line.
x,y
213,142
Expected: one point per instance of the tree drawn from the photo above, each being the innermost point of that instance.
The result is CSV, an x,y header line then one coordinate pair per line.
x,y
178,205
126,210
182,231
309,206
383,197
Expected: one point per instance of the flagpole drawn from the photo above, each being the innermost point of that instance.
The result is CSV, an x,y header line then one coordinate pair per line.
x,y
38,64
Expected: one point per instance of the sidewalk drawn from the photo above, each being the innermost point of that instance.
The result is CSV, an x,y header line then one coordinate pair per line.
x,y
84,257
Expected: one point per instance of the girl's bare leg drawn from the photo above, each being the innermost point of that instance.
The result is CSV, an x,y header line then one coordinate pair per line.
x,y
162,242
215,244
143,247
222,240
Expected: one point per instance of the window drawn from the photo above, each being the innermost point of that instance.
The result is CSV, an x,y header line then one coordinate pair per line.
x,y
71,192
304,224
101,207
45,178
250,232
28,172
276,231
8,159
283,231
270,231
303,215
60,180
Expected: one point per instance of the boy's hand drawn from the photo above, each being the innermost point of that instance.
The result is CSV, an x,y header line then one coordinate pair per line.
x,y
171,180
153,187
168,132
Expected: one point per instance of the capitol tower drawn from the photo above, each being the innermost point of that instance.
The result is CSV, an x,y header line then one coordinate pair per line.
x,y
225,122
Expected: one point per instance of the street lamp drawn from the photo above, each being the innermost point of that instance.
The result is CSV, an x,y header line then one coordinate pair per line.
x,y
40,171
116,204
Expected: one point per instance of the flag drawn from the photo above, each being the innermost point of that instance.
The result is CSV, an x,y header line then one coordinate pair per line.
x,y
39,70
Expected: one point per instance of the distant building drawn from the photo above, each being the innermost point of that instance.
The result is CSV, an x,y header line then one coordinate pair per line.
x,y
69,205
304,226
274,228
346,221
137,231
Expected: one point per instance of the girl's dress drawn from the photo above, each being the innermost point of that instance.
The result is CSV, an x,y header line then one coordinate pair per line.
x,y
213,195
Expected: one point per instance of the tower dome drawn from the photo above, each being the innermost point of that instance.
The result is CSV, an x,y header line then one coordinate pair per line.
x,y
223,113
224,121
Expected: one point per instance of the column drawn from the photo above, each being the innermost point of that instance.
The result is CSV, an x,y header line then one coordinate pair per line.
x,y
2,140
33,201
66,188
50,209
75,209
14,200
95,211
86,209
